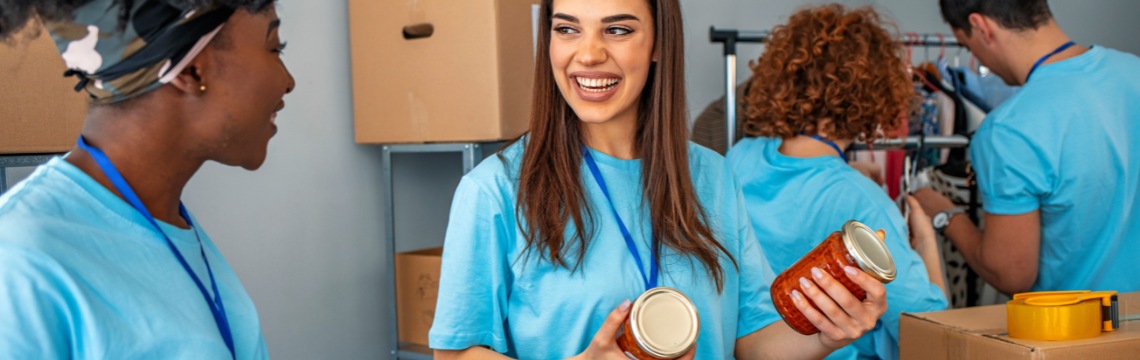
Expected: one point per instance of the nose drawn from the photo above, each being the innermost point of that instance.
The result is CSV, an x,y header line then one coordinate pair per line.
x,y
291,84
592,50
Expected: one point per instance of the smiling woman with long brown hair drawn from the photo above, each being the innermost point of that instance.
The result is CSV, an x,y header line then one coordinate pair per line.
x,y
578,215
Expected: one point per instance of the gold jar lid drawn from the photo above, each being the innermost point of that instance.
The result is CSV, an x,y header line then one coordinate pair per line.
x,y
664,322
869,251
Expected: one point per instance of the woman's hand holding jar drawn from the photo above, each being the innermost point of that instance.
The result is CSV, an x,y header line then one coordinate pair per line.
x,y
604,345
843,318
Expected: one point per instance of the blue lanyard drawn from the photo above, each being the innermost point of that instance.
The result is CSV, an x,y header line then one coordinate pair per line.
x,y
832,144
1046,57
651,281
216,307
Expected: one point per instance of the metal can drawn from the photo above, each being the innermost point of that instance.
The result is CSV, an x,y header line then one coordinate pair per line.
x,y
662,324
855,245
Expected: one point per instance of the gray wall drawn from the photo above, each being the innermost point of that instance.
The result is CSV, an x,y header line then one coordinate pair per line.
x,y
304,234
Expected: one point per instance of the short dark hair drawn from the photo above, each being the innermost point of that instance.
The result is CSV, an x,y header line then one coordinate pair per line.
x,y
1011,14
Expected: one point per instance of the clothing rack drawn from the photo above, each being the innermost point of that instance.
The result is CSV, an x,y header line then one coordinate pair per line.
x,y
913,142
730,37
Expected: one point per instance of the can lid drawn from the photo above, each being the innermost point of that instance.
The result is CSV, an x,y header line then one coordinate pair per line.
x,y
665,322
869,251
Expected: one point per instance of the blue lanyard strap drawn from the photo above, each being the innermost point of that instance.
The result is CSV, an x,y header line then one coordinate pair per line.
x,y
216,306
1046,57
830,143
651,281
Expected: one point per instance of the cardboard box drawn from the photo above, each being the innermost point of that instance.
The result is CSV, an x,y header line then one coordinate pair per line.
x,y
40,112
470,80
980,333
417,286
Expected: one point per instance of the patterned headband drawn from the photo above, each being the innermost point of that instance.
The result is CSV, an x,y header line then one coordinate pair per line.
x,y
117,61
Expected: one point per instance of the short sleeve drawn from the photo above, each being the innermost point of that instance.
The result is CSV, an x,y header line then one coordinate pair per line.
x,y
475,275
1011,170
33,307
756,308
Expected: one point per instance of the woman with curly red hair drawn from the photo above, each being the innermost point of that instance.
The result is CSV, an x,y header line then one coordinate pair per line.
x,y
828,77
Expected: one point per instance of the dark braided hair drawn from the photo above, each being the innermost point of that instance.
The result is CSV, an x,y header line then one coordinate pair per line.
x,y
15,14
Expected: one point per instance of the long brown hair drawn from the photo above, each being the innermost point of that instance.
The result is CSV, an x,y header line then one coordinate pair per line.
x,y
550,190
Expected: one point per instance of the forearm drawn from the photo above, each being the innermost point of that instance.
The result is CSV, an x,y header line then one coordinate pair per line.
x,y
971,242
778,341
933,262
471,353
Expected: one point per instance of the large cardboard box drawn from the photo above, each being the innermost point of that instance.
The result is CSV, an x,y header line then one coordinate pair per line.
x,y
470,80
40,112
980,333
417,286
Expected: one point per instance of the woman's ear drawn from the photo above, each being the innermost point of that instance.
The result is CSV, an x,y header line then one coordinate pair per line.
x,y
192,80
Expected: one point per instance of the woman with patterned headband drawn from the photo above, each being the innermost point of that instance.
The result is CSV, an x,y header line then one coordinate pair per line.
x,y
100,258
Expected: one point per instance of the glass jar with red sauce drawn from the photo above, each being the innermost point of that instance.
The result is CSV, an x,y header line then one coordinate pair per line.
x,y
855,245
662,324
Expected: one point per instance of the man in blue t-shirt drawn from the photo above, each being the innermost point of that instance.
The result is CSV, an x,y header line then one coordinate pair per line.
x,y
1057,165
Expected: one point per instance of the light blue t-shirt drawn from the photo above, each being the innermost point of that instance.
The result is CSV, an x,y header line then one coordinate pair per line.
x,y
491,293
796,203
1068,144
83,275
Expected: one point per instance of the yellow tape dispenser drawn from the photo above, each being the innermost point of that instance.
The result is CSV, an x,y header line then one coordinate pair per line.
x,y
1062,315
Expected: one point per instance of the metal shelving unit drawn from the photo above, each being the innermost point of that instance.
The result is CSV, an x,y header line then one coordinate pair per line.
x,y
472,154
21,160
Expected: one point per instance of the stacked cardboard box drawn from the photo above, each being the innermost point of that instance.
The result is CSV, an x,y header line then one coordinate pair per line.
x,y
40,111
442,71
417,286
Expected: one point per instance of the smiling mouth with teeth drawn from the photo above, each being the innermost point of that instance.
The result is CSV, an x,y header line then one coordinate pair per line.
x,y
597,85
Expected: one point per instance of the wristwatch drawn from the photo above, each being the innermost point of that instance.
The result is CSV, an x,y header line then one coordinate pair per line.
x,y
942,218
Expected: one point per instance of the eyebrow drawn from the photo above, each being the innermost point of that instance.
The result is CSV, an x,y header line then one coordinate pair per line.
x,y
605,20
619,17
566,17
272,25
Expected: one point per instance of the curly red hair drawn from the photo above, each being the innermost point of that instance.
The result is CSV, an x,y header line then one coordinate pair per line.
x,y
830,71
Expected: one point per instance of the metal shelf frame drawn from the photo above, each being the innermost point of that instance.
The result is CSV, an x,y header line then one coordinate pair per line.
x,y
20,160
472,154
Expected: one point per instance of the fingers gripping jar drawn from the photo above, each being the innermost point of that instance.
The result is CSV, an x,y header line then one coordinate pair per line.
x,y
662,324
855,245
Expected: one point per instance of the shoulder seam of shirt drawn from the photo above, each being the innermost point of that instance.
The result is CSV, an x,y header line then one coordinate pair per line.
x,y
869,196
105,208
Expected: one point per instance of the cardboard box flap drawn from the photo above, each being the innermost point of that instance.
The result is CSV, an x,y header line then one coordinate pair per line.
x,y
433,252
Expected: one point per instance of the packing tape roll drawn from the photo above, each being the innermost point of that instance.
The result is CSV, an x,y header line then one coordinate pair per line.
x,y
1062,315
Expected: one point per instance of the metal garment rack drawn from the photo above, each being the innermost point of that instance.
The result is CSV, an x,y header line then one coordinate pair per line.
x,y
730,37
913,142
22,160
472,154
